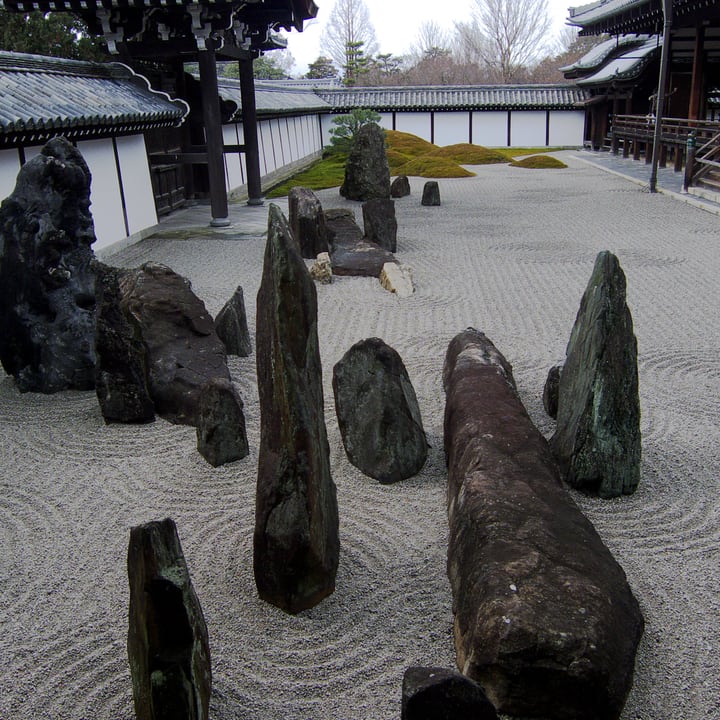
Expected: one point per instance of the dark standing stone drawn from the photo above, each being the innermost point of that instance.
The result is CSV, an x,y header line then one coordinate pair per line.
x,y
232,328
431,193
47,277
551,390
367,174
168,645
544,618
221,436
380,223
121,381
183,350
296,540
400,187
597,441
351,254
440,694
378,412
307,222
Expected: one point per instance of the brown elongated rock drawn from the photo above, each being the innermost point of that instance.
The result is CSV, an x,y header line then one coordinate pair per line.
x,y
597,441
121,379
168,646
183,349
545,620
296,539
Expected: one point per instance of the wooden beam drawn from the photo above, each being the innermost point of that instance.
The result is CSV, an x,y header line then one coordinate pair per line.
x,y
698,73
213,137
249,116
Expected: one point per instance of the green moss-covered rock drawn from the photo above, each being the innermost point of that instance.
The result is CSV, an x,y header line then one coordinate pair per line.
x,y
539,162
467,154
434,167
597,441
367,174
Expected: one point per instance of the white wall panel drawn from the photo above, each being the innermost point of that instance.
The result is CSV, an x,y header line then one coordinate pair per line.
x,y
106,204
527,128
567,128
136,183
417,123
490,128
9,169
451,128
233,172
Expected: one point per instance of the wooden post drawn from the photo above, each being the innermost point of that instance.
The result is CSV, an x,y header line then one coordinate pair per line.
x,y
698,71
249,116
213,138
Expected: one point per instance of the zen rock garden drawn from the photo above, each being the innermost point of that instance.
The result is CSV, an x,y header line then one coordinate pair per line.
x,y
545,623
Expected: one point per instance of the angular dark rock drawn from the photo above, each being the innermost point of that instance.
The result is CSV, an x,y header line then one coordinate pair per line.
x,y
351,253
400,187
307,222
367,174
232,328
378,412
47,276
597,441
221,435
380,223
342,227
296,539
431,193
183,350
551,390
168,646
544,618
440,694
121,380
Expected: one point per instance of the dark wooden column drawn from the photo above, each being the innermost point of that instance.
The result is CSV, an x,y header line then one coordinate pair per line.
x,y
698,72
249,116
213,138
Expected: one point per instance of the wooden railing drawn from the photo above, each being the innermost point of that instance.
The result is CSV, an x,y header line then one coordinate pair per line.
x,y
635,134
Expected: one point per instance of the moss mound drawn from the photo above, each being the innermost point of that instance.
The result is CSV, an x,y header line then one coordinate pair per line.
x,y
397,159
433,167
545,162
407,143
467,154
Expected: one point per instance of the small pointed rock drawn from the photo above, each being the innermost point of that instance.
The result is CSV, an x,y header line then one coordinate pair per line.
x,y
232,328
221,435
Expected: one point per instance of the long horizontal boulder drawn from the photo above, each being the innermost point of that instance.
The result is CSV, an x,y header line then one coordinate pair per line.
x,y
545,620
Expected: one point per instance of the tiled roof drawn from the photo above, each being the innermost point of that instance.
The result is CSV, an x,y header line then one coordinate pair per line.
x,y
272,98
593,12
471,97
625,66
598,55
41,95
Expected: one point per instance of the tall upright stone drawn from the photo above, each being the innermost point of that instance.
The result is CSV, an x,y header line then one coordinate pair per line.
x,y
307,222
47,276
168,647
367,173
597,441
296,539
380,222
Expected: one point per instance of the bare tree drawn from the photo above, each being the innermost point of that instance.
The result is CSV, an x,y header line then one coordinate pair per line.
x,y
431,41
348,29
508,36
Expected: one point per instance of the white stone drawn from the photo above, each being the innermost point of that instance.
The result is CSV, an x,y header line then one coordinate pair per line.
x,y
397,279
321,269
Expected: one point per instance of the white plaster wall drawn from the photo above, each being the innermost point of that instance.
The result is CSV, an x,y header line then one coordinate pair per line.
x,y
489,128
451,127
527,128
106,205
417,123
233,170
567,128
9,169
137,185
327,125
385,120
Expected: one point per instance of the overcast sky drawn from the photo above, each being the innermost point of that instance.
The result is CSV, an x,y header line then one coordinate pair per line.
x,y
396,24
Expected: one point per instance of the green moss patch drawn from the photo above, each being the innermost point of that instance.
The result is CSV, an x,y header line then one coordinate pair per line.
x,y
326,173
433,167
546,162
467,154
407,143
